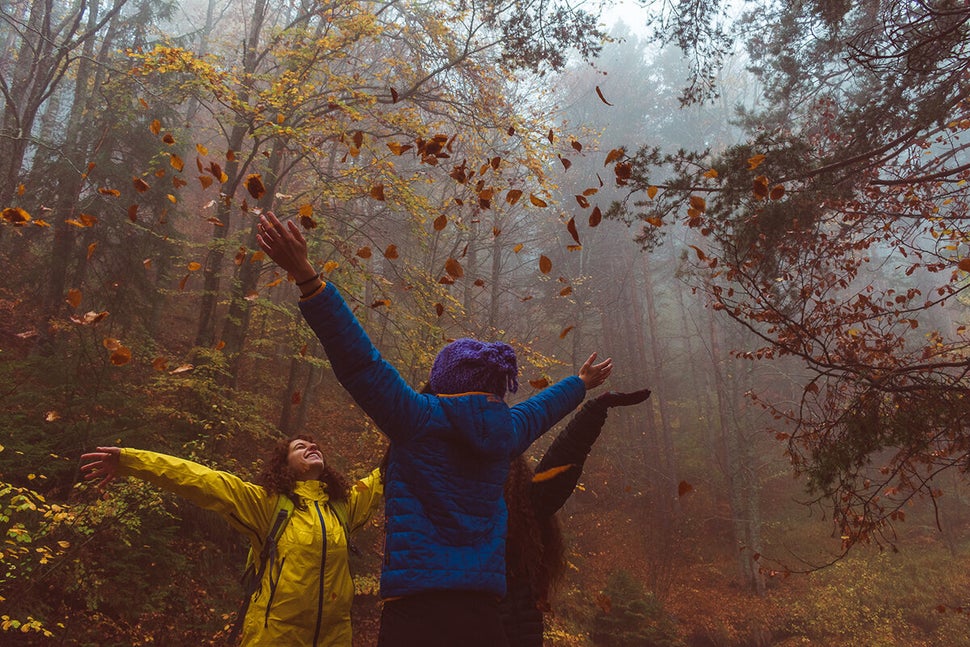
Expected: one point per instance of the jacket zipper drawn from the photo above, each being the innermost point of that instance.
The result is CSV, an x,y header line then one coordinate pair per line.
x,y
323,564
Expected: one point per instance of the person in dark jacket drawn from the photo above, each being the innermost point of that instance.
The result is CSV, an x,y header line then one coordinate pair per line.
x,y
444,554
535,556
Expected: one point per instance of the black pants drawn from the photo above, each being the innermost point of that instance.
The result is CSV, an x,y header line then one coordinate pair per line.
x,y
442,619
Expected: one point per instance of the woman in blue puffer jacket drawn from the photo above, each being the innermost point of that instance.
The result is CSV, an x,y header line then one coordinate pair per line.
x,y
444,555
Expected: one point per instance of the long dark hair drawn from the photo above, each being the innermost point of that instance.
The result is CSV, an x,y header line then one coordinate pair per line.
x,y
276,475
534,549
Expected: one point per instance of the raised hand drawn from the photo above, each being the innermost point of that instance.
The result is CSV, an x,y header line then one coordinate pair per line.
x,y
286,246
102,464
594,375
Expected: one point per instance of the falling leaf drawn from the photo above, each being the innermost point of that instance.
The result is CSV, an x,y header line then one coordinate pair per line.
x,y
542,382
513,196
571,228
710,174
159,363
252,295
539,202
566,291
655,220
307,222
596,217
439,309
364,252
495,232
393,95
52,416
700,254
446,280
550,136
140,185
651,192
613,155
171,198
517,248
220,345
120,356
182,283
759,187
545,265
215,221
777,192
391,252
576,146
381,302
565,331
74,297
106,191
377,192
440,222
684,488
330,266
454,269
697,202
155,127
89,318
176,162
622,171
181,369
582,201
480,283
599,93
205,181
399,149
553,472
168,138
254,184
195,266
91,248
964,264
202,149
755,162
565,163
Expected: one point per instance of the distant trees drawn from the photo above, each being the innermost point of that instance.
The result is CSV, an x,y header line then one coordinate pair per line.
x,y
836,233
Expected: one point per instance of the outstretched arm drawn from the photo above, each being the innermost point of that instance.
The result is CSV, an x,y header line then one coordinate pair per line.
x,y
376,385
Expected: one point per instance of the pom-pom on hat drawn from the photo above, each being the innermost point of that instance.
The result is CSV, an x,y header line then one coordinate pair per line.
x,y
467,365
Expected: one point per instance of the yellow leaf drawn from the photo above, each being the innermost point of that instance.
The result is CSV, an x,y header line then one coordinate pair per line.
x,y
710,173
15,216
755,162
194,266
651,192
203,151
176,162
330,266
517,248
545,475
171,198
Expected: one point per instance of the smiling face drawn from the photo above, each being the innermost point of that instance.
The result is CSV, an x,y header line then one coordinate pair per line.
x,y
305,459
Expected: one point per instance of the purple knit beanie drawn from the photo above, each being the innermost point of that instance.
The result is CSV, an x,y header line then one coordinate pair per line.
x,y
467,365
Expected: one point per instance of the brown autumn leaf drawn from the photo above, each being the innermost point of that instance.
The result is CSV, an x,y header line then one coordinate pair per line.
x,y
440,222
582,201
446,280
542,382
759,187
711,174
964,264
565,331
393,95
185,279
517,248
684,488
550,136
565,163
178,182
552,472
454,268
377,192
599,93
571,228
140,185
655,220
604,603
254,184
215,221
194,266
307,222
399,149
120,356
160,363
652,192
155,127
181,369
205,181
15,216
538,202
698,203
513,196
89,318
439,309
364,252
614,155
106,191
381,302
176,162
74,297
777,192
495,232
755,161
391,252
545,265
91,248
566,291
168,138
596,217
576,146
240,256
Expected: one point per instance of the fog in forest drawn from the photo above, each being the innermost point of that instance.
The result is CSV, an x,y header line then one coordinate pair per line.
x,y
759,212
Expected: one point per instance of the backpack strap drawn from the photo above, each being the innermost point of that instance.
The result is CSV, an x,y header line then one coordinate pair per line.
x,y
254,572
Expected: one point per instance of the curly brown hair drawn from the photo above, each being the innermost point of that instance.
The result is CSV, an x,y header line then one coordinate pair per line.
x,y
276,475
534,548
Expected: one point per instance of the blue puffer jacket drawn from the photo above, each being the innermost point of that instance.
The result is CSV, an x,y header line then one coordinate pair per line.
x,y
448,460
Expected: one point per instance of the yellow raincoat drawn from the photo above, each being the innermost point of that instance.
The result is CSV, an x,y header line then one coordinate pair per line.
x,y
305,595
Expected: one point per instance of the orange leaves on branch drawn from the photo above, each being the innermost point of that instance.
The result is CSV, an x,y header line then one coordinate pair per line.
x,y
550,473
254,184
545,265
655,220
454,268
710,174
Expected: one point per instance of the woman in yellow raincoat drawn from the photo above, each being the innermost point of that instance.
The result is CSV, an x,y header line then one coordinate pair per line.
x,y
305,593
